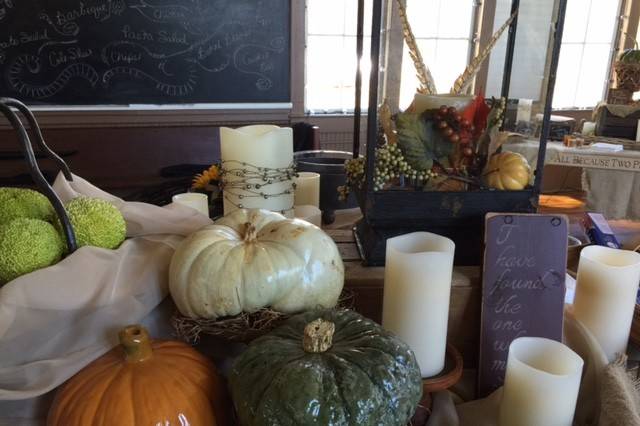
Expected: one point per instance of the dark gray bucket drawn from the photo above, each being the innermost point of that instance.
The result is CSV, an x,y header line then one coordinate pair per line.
x,y
330,166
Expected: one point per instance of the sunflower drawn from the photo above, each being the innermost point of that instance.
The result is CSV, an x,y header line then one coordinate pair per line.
x,y
200,181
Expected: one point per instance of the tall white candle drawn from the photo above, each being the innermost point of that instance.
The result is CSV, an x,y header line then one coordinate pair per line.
x,y
605,298
264,152
541,383
417,285
196,201
307,189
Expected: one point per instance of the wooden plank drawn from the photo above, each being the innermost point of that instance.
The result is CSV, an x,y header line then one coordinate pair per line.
x,y
341,235
358,275
348,252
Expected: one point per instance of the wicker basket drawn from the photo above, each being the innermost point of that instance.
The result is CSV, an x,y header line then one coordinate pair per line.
x,y
628,75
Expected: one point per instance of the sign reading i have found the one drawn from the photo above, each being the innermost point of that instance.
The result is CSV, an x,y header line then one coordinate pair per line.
x,y
523,287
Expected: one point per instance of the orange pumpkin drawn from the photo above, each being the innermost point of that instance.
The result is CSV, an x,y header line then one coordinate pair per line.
x,y
144,383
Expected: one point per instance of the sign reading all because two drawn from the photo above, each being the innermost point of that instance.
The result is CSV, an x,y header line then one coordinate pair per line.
x,y
523,287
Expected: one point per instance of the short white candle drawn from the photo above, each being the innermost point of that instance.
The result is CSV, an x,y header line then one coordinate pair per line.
x,y
259,146
606,290
422,102
307,189
541,383
417,286
311,214
196,201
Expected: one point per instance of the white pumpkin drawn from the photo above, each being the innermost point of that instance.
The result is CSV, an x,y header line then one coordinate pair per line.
x,y
251,259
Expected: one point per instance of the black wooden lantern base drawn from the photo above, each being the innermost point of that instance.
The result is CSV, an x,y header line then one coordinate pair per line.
x,y
455,215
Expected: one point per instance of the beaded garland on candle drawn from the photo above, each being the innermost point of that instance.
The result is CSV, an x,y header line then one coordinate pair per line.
x,y
253,181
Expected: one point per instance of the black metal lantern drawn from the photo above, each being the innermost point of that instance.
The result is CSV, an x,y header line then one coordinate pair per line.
x,y
458,215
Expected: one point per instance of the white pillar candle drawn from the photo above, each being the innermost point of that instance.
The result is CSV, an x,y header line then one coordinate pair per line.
x,y
589,128
541,383
605,298
255,160
417,286
311,214
422,102
307,189
199,202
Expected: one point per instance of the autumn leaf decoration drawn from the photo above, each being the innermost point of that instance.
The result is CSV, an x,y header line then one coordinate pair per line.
x,y
462,83
419,143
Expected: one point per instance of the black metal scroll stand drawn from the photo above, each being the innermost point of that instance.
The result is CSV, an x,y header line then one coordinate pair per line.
x,y
6,105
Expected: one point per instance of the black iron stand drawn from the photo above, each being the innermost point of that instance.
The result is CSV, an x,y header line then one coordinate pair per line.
x,y
6,108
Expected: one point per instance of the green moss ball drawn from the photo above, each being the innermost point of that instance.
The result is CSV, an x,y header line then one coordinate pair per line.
x,y
24,203
96,222
27,245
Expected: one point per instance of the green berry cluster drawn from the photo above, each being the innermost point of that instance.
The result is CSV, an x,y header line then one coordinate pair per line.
x,y
496,118
390,164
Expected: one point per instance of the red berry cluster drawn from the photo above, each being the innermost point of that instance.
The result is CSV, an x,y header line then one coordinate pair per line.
x,y
455,128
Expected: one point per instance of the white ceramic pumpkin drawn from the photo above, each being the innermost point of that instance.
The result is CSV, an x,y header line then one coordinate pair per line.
x,y
251,259
507,170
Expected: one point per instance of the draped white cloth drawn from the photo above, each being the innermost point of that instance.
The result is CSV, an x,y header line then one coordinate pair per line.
x,y
56,320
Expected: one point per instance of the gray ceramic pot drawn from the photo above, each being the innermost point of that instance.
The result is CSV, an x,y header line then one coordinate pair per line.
x,y
330,166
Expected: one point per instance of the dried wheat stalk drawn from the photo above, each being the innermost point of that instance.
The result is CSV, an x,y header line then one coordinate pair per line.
x,y
388,126
427,84
464,80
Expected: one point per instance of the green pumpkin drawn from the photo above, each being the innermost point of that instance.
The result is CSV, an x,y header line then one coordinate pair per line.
x,y
326,367
630,56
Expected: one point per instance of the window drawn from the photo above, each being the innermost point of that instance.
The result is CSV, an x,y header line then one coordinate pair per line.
x,y
442,29
585,56
530,51
331,55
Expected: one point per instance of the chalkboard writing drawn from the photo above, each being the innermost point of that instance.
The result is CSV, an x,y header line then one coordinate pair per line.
x,y
145,51
523,287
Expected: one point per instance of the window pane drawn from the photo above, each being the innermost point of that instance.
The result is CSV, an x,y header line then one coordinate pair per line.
x,y
576,20
424,17
451,60
349,74
325,17
351,14
409,82
602,20
593,75
566,78
324,82
530,52
442,29
584,61
455,18
331,55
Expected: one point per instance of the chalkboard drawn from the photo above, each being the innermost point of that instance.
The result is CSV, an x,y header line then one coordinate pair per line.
x,y
145,51
523,286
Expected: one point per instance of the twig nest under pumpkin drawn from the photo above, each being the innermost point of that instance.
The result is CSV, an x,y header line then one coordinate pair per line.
x,y
507,171
253,259
327,367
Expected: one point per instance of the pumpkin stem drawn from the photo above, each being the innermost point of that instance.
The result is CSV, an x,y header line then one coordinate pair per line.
x,y
250,233
136,343
318,336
